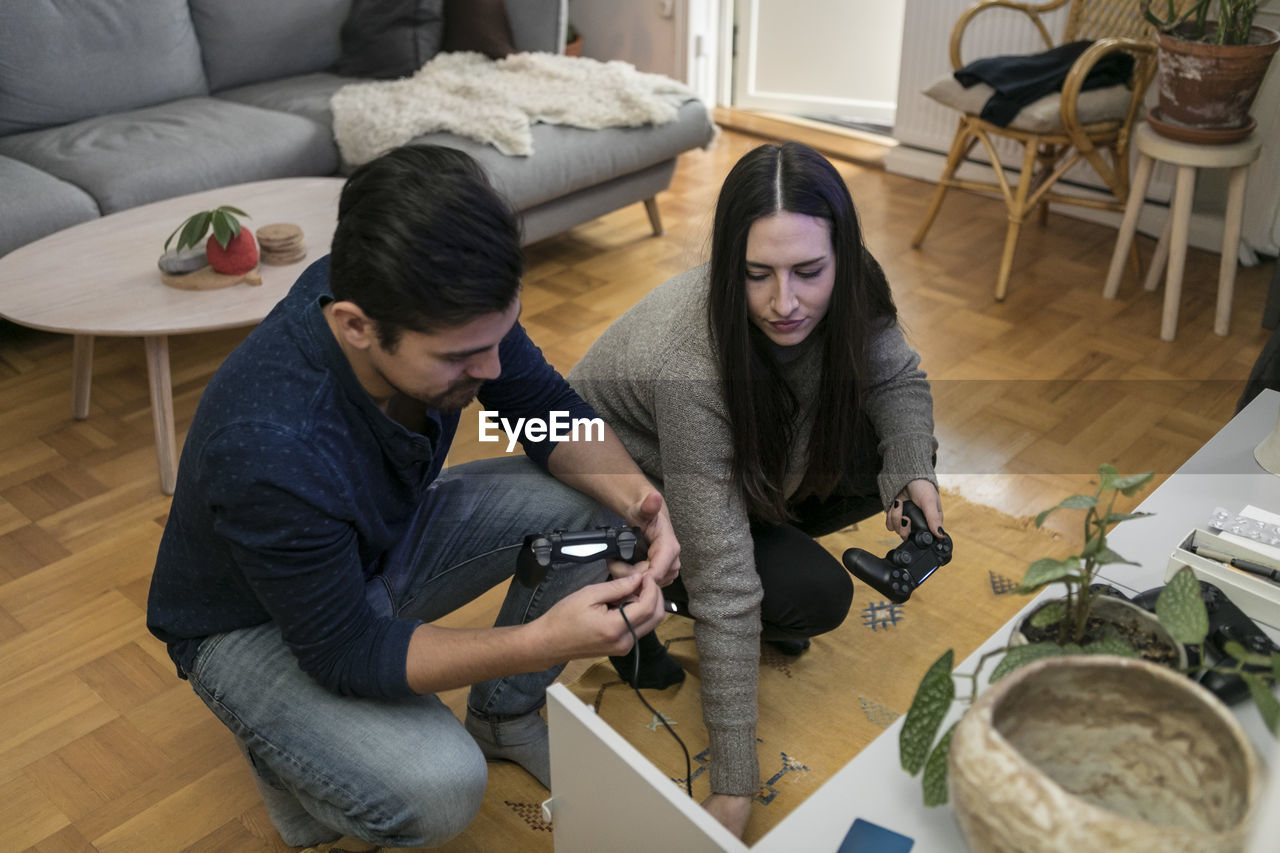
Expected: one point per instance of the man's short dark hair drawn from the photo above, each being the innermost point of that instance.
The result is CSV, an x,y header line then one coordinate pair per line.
x,y
424,242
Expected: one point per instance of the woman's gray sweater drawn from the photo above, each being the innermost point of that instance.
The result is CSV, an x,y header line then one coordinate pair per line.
x,y
653,377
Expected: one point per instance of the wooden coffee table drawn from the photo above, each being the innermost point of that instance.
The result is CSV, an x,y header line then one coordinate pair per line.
x,y
100,278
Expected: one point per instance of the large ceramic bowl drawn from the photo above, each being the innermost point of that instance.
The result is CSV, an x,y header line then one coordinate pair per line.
x,y
1102,753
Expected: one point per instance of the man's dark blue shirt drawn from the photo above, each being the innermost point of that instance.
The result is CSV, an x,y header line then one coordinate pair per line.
x,y
294,486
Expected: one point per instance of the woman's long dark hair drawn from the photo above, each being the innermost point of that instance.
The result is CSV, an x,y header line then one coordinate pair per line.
x,y
762,410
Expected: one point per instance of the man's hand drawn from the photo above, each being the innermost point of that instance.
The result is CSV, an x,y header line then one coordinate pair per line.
x,y
923,494
731,811
587,623
651,516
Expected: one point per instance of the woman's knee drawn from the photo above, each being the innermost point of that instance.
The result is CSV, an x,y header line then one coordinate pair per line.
x,y
828,612
806,590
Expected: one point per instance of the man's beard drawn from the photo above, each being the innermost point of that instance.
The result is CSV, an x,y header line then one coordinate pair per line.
x,y
456,396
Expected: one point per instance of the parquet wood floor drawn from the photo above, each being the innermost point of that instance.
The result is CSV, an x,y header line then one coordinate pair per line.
x,y
102,749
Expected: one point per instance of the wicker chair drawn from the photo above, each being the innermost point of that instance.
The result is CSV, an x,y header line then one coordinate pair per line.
x,y
1069,129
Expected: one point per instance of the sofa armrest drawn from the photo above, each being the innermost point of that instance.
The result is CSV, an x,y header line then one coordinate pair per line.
x,y
538,24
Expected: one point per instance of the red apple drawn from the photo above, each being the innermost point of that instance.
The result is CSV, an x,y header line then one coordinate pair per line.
x,y
239,256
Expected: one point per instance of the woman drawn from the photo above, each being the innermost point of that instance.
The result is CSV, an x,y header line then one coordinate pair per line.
x,y
773,395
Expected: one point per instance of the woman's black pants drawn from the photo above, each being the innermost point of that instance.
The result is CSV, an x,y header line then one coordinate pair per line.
x,y
807,591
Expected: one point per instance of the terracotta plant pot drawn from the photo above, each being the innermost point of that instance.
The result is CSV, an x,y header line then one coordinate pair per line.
x,y
1093,752
1211,86
1122,612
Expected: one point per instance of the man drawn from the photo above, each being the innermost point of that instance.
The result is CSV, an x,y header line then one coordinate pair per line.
x,y
313,534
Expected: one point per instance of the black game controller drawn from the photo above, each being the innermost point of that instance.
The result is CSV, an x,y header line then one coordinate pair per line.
x,y
540,550
906,567
1227,623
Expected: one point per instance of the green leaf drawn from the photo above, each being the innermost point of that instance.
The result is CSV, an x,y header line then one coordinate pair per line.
x,y
1181,610
194,230
933,698
1128,485
1107,557
1047,570
1275,668
225,227
1023,655
934,780
1106,474
1240,653
237,211
1073,502
1266,701
1111,646
1051,614
169,239
1117,517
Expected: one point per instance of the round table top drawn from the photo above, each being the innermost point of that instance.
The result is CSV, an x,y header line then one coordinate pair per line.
x,y
100,277
1241,153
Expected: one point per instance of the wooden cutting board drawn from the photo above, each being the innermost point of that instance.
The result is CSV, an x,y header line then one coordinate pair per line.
x,y
206,278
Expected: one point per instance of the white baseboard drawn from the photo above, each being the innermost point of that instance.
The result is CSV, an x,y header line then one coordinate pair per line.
x,y
1204,232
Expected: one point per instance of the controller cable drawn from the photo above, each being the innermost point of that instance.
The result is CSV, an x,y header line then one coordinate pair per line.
x,y
635,679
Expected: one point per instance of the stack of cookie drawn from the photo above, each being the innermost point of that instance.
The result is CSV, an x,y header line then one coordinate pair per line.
x,y
280,243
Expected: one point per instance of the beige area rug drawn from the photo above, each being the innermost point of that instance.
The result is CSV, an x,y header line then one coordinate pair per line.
x,y
817,710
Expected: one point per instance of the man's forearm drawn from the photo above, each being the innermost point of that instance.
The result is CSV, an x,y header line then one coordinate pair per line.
x,y
603,470
444,658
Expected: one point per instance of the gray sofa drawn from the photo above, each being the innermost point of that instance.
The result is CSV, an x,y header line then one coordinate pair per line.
x,y
109,104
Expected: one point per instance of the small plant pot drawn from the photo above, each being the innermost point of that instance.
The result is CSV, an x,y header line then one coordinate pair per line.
x,y
1129,618
1095,752
1210,87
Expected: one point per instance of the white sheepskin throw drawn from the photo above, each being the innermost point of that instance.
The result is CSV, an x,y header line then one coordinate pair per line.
x,y
496,102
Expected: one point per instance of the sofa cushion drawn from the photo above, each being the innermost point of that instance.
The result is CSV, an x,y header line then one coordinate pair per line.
x,y
36,203
306,95
244,41
569,158
477,25
61,62
132,158
390,38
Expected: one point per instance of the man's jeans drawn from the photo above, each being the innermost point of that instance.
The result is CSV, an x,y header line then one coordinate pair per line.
x,y
399,773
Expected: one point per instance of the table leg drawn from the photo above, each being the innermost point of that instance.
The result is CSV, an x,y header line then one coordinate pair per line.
x,y
1181,216
162,410
1230,247
81,375
1124,238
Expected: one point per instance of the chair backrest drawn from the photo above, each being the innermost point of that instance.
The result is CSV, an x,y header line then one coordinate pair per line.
x,y
1095,19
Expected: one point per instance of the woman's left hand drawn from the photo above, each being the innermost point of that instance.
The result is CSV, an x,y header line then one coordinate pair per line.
x,y
923,494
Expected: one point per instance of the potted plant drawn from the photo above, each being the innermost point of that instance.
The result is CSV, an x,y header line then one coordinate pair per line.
x,y
1075,707
1209,70
1084,616
572,40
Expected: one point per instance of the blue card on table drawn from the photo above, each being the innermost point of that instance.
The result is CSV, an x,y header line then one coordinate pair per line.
x,y
867,837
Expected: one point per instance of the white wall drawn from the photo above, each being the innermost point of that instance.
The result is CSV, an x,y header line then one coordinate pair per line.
x,y
819,57
678,38
641,32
